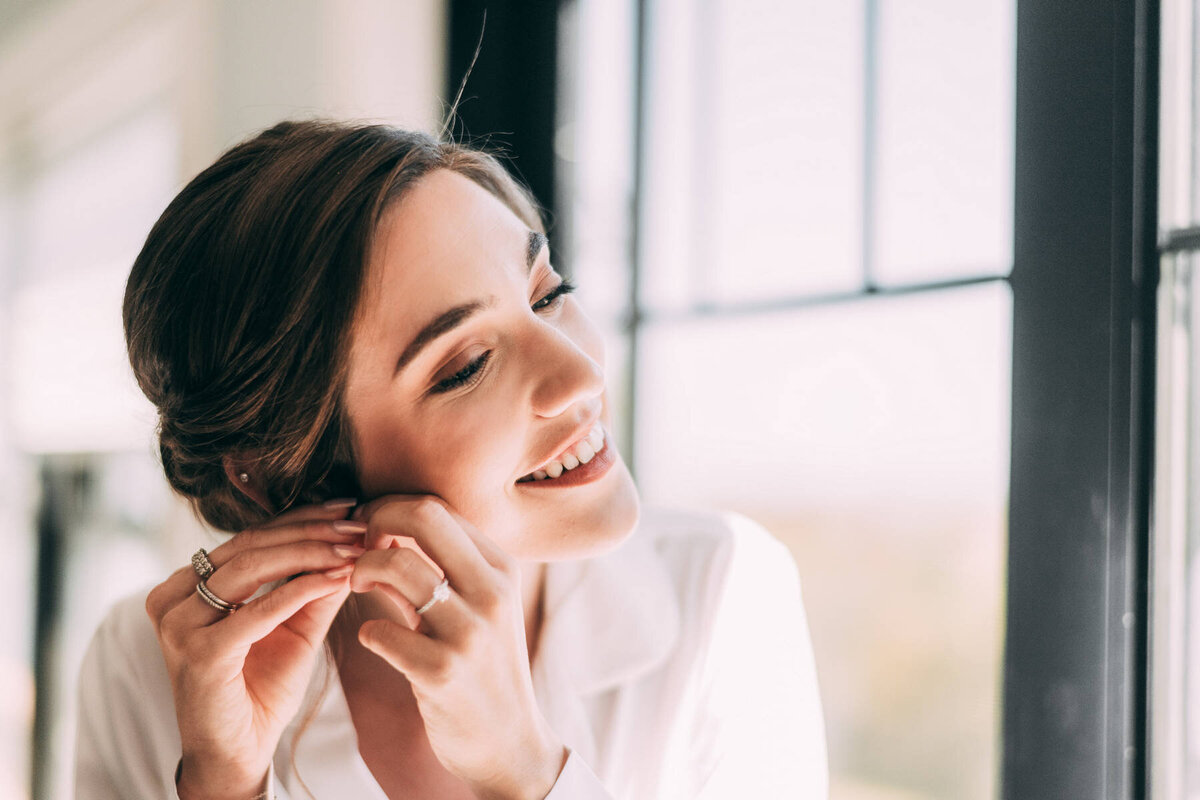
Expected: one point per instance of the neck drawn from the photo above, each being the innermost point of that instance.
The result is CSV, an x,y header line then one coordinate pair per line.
x,y
533,580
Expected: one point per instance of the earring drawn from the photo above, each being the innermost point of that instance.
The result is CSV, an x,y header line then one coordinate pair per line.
x,y
244,477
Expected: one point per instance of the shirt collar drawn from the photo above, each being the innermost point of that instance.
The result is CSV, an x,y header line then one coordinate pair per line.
x,y
610,618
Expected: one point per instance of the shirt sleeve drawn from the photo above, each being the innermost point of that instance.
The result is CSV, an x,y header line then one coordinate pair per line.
x,y
127,740
577,782
763,732
123,732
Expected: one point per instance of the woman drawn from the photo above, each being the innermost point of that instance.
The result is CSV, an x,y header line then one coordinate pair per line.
x,y
364,362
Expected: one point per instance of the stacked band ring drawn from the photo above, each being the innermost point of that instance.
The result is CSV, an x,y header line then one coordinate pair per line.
x,y
207,595
440,593
201,564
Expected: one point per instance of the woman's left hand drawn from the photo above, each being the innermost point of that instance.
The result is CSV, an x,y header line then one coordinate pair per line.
x,y
467,660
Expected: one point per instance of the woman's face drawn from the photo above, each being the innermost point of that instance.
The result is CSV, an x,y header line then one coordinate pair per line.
x,y
469,371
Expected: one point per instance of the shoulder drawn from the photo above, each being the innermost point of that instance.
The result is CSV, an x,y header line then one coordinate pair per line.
x,y
710,553
124,637
127,741
124,661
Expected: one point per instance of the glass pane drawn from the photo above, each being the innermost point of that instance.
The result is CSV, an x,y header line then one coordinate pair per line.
x,y
753,150
1175,659
594,149
73,221
1177,109
944,144
67,341
118,530
873,439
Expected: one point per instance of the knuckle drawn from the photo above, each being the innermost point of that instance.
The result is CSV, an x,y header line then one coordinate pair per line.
x,y
246,561
268,604
425,510
403,563
315,527
194,647
171,635
508,567
442,668
472,639
155,604
493,601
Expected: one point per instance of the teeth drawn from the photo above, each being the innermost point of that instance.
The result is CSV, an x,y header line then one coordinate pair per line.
x,y
583,452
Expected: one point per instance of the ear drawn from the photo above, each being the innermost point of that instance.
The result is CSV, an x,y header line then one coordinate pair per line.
x,y
246,480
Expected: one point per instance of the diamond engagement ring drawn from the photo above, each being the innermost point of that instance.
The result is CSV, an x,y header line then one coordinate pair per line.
x,y
440,593
201,564
207,596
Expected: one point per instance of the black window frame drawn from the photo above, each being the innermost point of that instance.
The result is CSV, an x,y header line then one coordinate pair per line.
x,y
1084,281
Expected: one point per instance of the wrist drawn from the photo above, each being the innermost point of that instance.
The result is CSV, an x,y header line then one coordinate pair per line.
x,y
191,784
534,771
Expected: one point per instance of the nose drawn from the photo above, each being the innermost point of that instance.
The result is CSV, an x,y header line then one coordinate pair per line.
x,y
564,371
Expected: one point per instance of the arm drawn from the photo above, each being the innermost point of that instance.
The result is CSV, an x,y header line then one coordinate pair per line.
x,y
127,740
214,688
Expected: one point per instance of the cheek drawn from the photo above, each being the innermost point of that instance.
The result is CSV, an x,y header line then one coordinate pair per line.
x,y
467,455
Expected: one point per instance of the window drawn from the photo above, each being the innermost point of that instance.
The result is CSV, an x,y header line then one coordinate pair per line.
x,y
817,327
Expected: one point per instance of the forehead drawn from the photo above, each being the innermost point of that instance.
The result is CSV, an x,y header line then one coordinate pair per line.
x,y
444,242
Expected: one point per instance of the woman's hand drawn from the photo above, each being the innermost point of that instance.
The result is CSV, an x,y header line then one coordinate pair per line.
x,y
238,679
467,661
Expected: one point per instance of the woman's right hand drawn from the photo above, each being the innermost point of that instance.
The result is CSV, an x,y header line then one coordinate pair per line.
x,y
238,679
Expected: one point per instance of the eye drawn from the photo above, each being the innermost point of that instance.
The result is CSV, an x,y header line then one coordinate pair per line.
x,y
554,296
467,375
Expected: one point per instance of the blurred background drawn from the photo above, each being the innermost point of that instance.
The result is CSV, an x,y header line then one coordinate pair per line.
x,y
794,221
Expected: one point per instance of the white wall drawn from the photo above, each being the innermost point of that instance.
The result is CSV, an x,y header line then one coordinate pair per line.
x,y
106,109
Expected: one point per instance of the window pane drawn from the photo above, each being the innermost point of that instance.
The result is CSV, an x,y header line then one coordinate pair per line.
x,y
1178,179
67,341
1176,587
944,142
873,439
753,150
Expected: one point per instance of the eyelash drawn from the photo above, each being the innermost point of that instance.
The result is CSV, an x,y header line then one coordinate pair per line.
x,y
468,373
551,299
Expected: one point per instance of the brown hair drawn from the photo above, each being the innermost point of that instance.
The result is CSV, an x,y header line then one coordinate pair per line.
x,y
238,309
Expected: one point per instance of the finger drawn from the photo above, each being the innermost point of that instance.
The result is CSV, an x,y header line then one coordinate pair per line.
x,y
258,618
406,610
495,556
243,575
334,531
421,659
426,520
337,508
182,583
407,575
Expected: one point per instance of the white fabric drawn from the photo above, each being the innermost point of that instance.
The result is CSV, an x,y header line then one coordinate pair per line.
x,y
677,667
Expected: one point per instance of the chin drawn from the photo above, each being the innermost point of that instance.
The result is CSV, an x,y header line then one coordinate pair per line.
x,y
575,532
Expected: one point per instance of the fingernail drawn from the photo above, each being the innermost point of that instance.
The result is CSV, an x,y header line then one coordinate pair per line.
x,y
348,550
349,526
340,502
339,572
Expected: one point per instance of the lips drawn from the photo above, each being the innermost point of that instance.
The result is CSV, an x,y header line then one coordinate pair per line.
x,y
594,470
577,455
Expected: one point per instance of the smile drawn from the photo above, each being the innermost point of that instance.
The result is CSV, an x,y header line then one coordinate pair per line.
x,y
586,461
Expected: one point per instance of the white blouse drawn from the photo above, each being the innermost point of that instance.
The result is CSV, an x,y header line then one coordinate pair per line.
x,y
676,667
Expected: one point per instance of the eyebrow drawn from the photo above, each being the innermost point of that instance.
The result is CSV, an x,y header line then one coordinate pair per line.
x,y
450,319
536,242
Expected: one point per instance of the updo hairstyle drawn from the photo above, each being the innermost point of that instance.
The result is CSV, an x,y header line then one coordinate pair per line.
x,y
238,309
